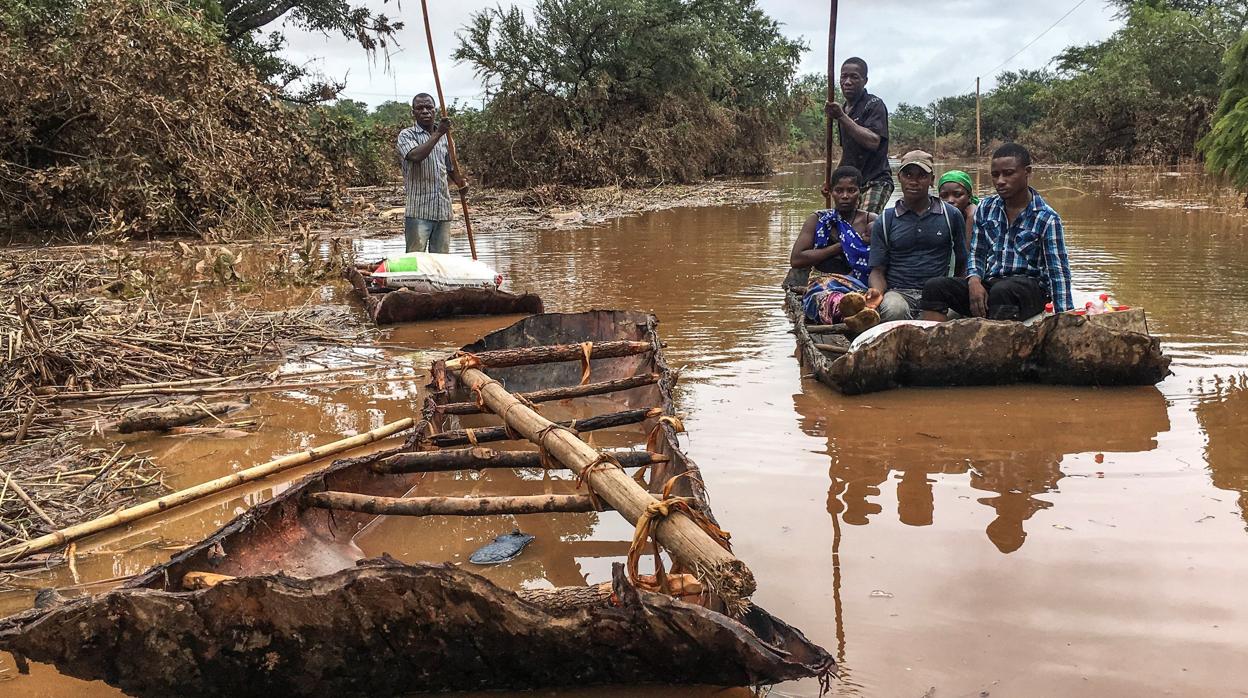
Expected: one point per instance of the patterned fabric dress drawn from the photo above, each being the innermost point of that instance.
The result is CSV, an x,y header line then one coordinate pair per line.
x,y
824,291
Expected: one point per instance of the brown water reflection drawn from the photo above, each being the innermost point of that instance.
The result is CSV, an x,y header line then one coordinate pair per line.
x,y
1024,541
1009,444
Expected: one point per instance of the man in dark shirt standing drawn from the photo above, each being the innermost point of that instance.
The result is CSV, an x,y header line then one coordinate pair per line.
x,y
863,127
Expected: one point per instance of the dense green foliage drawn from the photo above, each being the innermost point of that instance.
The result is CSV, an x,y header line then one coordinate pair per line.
x,y
610,91
367,138
1226,145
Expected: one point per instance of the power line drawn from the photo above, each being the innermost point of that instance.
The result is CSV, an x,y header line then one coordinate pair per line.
x,y
1069,12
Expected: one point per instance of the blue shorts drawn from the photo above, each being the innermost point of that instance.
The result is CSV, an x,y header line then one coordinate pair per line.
x,y
424,235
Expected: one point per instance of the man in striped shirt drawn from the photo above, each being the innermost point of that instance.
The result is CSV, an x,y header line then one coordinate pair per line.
x,y
1018,257
427,166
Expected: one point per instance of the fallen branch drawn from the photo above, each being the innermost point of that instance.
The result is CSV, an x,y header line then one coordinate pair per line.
x,y
454,506
463,437
478,458
156,506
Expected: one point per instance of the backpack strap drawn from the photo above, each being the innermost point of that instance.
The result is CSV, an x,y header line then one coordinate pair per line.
x,y
953,257
884,225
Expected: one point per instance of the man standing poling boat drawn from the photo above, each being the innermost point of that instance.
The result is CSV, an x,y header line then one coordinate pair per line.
x,y
862,125
919,239
1018,259
427,167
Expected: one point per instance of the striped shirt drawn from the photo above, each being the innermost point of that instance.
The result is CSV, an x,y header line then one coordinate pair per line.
x,y
1033,245
428,194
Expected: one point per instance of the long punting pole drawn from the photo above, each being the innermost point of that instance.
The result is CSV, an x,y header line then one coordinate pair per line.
x,y
979,139
156,506
437,82
832,79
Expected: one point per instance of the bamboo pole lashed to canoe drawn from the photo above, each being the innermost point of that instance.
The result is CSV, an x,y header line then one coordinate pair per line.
x,y
454,506
680,535
139,511
524,356
567,393
479,458
450,142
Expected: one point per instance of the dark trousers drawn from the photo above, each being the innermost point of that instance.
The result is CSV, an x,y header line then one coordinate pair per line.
x,y
1009,297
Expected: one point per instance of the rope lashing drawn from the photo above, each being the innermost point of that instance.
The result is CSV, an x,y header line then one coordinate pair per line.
x,y
604,460
512,433
672,421
478,388
648,522
548,462
471,435
587,350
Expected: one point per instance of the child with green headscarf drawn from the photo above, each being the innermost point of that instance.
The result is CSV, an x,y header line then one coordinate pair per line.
x,y
956,189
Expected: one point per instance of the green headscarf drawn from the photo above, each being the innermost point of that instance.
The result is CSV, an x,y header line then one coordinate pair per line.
x,y
959,177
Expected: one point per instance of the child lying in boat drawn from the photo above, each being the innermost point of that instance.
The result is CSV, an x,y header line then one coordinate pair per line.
x,y
834,298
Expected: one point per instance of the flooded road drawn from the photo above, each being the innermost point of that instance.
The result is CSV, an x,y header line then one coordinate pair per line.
x,y
1012,541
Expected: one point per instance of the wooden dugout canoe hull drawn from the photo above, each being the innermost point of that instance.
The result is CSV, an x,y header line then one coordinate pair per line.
x,y
308,614
1064,349
406,305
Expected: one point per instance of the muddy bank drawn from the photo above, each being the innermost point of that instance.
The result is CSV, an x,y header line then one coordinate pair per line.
x,y
378,211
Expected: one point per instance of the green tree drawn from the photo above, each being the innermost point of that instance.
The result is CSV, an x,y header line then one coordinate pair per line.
x,y
1146,93
909,127
1226,146
593,91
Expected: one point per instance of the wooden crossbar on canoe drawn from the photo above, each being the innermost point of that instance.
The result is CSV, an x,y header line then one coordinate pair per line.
x,y
321,615
523,356
569,392
459,437
838,328
478,458
678,533
454,506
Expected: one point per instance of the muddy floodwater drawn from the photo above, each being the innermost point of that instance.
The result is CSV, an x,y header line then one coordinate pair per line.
x,y
1011,541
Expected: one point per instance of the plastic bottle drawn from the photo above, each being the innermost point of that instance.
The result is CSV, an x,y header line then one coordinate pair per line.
x,y
1105,303
1048,309
1089,308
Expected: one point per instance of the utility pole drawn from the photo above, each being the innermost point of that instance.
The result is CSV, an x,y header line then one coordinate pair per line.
x,y
979,139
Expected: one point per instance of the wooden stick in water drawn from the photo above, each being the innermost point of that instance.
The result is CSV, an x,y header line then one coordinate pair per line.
x,y
478,458
21,494
832,348
838,328
570,392
223,389
453,506
603,421
525,356
139,511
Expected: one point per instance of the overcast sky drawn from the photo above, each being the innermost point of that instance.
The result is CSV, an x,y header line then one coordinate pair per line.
x,y
918,51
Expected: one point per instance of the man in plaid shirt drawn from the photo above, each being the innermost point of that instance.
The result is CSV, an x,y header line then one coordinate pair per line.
x,y
1018,257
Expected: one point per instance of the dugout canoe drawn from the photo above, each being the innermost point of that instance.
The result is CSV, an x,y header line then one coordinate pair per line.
x,y
386,307
1064,349
294,606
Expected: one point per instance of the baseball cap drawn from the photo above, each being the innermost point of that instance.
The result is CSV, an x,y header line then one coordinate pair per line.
x,y
918,157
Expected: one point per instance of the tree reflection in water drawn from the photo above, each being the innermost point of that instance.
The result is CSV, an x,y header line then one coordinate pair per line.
x,y
1223,416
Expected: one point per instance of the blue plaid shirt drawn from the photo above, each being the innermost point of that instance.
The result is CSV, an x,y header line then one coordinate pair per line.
x,y
1032,245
